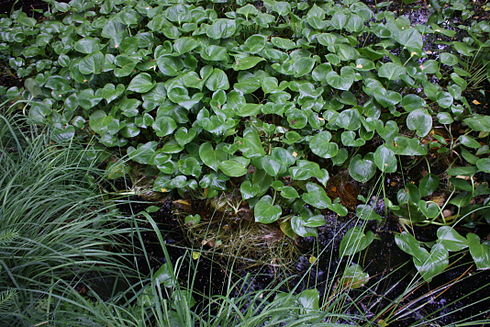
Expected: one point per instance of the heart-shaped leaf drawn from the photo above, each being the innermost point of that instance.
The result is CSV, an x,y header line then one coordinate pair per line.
x,y
210,156
391,71
234,167
164,126
321,146
385,159
355,241
246,62
419,121
343,81
362,170
480,252
265,211
316,196
141,83
450,239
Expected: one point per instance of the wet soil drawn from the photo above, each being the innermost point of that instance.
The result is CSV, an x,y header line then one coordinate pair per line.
x,y
444,300
30,7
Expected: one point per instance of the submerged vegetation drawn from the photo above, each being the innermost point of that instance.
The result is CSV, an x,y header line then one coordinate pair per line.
x,y
160,157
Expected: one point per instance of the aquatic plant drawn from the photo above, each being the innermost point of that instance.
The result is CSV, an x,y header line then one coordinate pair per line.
x,y
269,99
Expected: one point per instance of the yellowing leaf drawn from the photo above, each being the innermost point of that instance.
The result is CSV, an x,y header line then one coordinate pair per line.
x,y
183,202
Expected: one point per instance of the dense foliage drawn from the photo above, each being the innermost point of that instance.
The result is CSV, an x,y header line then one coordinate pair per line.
x,y
272,99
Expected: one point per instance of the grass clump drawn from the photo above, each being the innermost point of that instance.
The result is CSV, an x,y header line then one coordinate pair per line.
x,y
55,226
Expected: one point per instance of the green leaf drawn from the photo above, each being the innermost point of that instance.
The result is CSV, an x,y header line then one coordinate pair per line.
x,y
362,170
354,277
321,146
248,10
248,109
391,71
185,44
210,156
189,166
428,184
429,209
433,263
364,65
217,80
282,43
385,159
26,21
192,220
349,139
184,136
464,171
304,170
411,102
235,167
102,124
164,126
169,65
299,228
302,66
115,31
343,81
87,45
271,166
448,59
143,154
309,300
92,64
128,107
385,97
316,196
478,123
450,239
403,145
222,28
419,121
282,8
265,212
178,93
297,119
346,52
463,48
411,39
479,252
349,119
407,243
110,92
141,83
246,62
87,99
366,212
355,241
214,53
254,44
483,165
250,144
249,190
289,192
444,99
